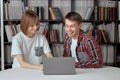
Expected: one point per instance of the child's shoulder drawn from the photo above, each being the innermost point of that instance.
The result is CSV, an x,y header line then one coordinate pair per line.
x,y
17,35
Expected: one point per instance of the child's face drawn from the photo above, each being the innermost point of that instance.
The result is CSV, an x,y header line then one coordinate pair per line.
x,y
72,28
32,29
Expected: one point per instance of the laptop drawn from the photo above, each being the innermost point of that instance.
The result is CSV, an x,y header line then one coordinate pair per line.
x,y
59,66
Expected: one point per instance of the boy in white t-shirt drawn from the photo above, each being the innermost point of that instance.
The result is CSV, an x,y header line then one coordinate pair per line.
x,y
28,46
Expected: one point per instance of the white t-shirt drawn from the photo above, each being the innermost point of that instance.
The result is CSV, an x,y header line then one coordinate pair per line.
x,y
73,48
31,48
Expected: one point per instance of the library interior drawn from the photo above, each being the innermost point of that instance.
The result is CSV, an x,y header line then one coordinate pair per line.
x,y
100,21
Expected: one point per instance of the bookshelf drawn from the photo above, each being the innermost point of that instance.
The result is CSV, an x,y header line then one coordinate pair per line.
x,y
118,35
2,36
95,13
106,20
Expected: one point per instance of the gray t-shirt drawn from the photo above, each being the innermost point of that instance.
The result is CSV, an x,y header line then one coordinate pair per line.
x,y
31,48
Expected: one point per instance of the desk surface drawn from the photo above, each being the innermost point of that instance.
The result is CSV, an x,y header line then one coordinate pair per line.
x,y
106,73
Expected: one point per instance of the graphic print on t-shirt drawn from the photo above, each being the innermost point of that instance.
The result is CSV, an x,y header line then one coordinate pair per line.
x,y
38,51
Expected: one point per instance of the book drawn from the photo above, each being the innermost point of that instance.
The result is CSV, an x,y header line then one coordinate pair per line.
x,y
55,13
55,32
38,10
52,14
88,13
8,33
86,26
90,31
45,32
105,36
119,10
7,53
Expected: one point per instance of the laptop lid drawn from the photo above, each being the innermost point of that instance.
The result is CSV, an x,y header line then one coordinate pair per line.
x,y
59,65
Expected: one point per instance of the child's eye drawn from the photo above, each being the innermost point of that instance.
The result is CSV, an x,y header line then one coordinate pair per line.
x,y
32,25
37,24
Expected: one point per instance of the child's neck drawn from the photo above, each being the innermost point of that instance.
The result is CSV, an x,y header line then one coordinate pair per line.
x,y
30,35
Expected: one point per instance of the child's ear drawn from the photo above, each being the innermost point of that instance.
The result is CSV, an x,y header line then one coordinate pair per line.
x,y
80,25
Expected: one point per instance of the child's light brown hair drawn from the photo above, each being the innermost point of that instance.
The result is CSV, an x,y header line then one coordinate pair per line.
x,y
29,18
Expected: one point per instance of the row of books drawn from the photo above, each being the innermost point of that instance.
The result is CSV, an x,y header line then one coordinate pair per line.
x,y
107,53
56,14
103,34
57,50
56,31
63,5
43,4
108,32
106,10
11,30
84,8
106,13
38,10
15,8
